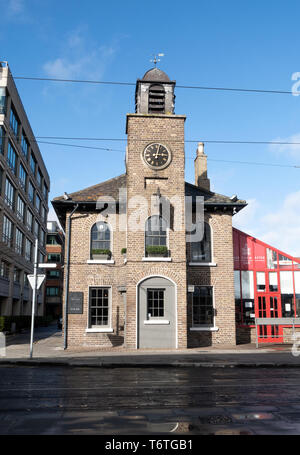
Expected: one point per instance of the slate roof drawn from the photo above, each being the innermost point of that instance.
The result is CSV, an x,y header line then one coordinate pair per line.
x,y
156,75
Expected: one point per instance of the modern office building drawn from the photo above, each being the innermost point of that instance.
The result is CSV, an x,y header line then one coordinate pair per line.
x,y
24,187
54,277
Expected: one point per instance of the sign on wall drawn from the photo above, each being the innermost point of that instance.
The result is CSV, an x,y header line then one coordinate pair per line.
x,y
75,303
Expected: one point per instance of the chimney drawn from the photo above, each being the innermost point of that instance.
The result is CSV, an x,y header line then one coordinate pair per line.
x,y
200,162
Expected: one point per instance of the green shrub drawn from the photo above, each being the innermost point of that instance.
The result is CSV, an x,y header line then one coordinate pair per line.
x,y
100,251
123,250
157,249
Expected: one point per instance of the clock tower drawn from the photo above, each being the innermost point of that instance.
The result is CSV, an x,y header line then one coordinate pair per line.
x,y
155,165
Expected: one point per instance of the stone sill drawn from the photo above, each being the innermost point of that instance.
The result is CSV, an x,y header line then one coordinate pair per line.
x,y
204,329
155,259
99,261
203,264
159,322
96,330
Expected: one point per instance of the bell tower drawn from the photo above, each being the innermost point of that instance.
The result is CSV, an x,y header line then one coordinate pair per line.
x,y
155,93
155,164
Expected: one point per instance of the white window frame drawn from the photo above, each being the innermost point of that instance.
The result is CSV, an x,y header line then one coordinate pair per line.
x,y
202,328
100,329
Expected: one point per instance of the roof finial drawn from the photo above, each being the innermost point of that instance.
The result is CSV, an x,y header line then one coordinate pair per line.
x,y
155,60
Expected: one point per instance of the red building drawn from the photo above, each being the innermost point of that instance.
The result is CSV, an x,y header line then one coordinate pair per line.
x,y
267,285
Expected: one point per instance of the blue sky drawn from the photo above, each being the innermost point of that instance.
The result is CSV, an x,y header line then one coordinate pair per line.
x,y
250,44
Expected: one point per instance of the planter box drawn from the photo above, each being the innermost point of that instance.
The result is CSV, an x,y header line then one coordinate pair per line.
x,y
101,257
157,255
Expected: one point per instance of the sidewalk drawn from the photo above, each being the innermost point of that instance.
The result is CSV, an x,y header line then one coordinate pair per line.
x,y
48,350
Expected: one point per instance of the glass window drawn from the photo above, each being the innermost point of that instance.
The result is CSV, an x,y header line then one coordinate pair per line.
x,y
52,291
43,213
31,192
4,269
261,281
24,146
2,136
29,220
17,275
99,307
100,237
2,101
42,237
54,257
11,158
156,231
20,209
36,228
39,178
7,231
271,259
203,311
52,240
287,293
19,242
247,284
32,163
45,191
297,291
13,121
28,250
38,203
53,274
155,303
9,194
1,179
273,282
25,279
201,251
22,176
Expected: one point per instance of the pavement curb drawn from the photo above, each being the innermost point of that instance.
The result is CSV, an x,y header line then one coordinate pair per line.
x,y
74,363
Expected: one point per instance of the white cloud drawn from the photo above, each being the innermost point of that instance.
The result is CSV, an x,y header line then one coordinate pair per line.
x,y
292,150
80,58
280,228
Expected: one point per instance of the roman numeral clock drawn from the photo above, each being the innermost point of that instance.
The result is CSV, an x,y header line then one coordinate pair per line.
x,y
157,156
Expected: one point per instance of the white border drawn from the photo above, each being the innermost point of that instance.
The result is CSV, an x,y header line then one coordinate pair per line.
x,y
100,261
108,329
90,242
203,264
137,302
157,322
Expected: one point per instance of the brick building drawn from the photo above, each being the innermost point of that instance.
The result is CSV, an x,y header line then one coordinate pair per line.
x,y
24,187
54,277
137,275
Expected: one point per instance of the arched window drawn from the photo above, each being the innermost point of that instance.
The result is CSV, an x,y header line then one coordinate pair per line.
x,y
156,102
201,251
100,238
155,231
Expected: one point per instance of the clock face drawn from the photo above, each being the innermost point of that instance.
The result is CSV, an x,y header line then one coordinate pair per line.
x,y
157,156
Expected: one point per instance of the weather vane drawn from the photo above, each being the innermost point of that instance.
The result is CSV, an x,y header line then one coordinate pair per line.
x,y
156,58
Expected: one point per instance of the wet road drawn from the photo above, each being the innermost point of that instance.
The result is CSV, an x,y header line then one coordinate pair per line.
x,y
60,400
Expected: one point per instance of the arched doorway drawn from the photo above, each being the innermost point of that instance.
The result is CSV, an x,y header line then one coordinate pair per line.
x,y
156,317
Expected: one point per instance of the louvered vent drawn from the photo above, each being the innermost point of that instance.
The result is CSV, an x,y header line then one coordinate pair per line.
x,y
156,99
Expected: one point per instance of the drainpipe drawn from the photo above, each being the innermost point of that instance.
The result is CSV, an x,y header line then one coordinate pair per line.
x,y
67,279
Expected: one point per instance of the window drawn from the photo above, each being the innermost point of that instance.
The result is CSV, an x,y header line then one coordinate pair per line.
x,y
2,136
4,269
271,259
20,209
22,176
43,214
9,194
99,307
31,192
36,229
41,258
203,311
273,282
156,231
39,178
100,237
42,237
201,251
7,231
52,240
53,257
155,303
52,291
287,294
13,121
25,279
32,163
2,101
53,274
28,250
17,275
29,220
11,158
24,146
38,203
19,242
1,179
45,191
156,102
261,281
